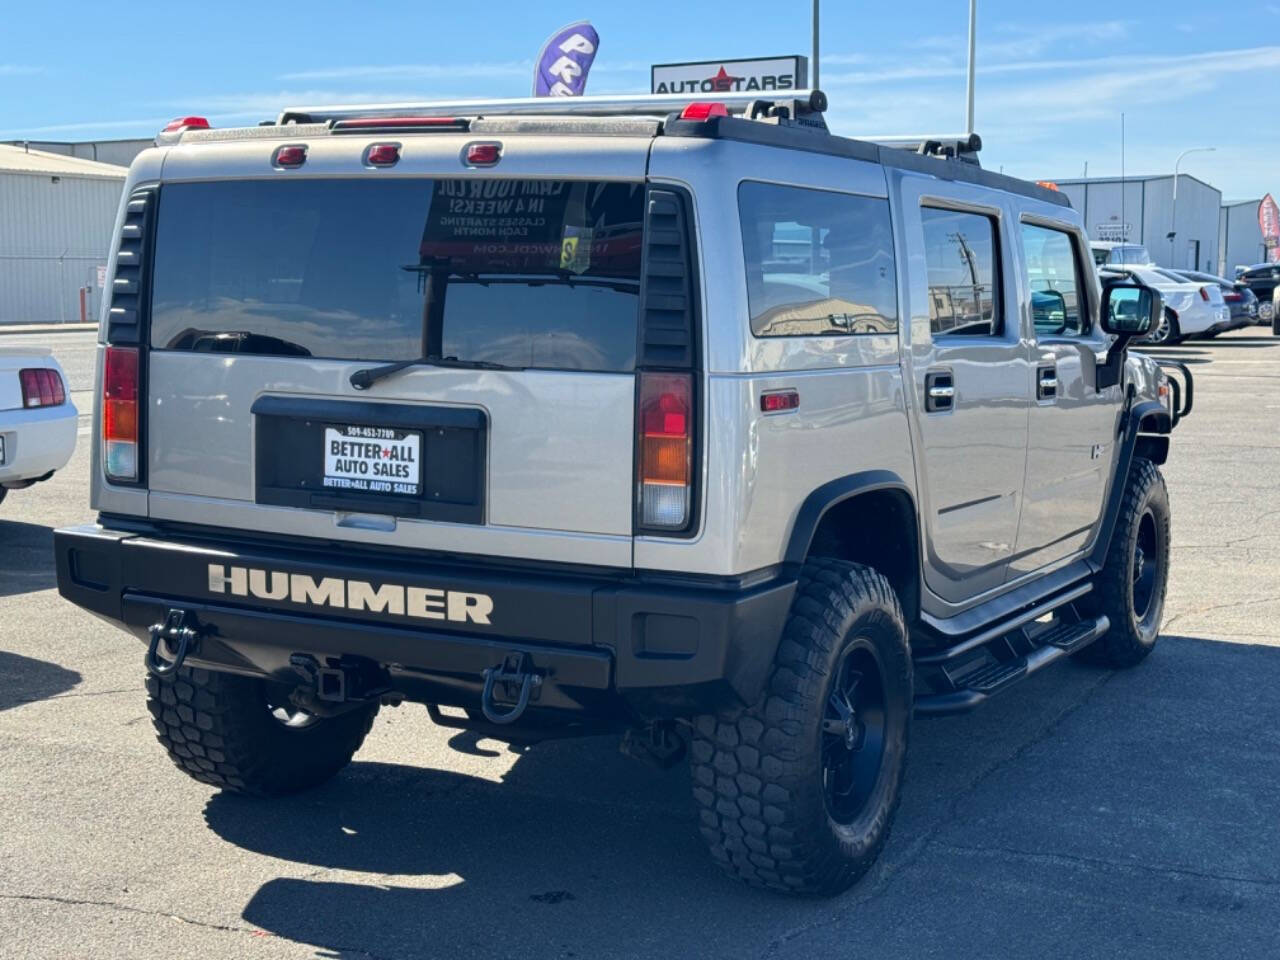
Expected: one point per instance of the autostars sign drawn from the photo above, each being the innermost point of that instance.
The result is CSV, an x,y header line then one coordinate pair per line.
x,y
765,74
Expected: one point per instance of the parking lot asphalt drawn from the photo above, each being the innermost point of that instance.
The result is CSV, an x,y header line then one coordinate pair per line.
x,y
1085,813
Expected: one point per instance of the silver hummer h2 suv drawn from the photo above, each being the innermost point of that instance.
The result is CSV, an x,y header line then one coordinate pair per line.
x,y
690,421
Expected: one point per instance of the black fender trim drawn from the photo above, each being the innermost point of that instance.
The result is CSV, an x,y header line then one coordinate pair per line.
x,y
831,494
1130,423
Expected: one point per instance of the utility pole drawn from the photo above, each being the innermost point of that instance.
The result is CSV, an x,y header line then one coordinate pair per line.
x,y
973,65
1173,226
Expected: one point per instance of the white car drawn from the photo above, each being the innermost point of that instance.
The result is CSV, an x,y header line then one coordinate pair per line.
x,y
1107,253
37,418
1190,309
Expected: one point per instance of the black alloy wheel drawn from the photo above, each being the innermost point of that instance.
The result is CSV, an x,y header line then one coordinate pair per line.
x,y
853,733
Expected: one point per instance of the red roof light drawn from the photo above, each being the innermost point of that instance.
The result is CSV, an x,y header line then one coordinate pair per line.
x,y
382,155
291,156
186,123
483,154
385,123
704,111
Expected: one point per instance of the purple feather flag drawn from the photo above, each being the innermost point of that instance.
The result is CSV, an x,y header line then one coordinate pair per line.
x,y
565,60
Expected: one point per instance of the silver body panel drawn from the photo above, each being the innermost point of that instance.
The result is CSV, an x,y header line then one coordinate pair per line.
x,y
1006,488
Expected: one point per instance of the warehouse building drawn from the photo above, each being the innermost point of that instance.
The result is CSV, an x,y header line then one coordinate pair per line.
x,y
1240,236
1141,210
56,218
118,152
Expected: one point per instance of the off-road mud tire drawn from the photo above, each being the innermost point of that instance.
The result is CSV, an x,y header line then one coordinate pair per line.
x,y
217,729
1132,636
758,772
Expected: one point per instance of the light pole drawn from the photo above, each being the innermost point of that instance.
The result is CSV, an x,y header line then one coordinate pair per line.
x,y
973,66
1173,232
816,19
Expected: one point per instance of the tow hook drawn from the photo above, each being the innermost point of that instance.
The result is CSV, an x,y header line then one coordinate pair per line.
x,y
515,669
180,634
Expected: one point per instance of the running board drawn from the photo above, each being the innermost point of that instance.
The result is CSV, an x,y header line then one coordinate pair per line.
x,y
976,686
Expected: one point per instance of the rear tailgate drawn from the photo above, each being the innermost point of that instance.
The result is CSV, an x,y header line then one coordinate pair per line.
x,y
271,290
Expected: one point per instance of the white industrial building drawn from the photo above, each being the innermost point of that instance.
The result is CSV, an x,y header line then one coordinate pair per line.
x,y
118,152
56,217
1240,236
1141,210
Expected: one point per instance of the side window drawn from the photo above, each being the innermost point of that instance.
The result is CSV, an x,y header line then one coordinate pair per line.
x,y
818,263
961,253
1059,305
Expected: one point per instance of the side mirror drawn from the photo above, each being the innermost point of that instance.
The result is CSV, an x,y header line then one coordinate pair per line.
x,y
1130,309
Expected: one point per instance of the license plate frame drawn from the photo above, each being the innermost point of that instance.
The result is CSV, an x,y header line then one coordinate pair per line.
x,y
372,459
289,457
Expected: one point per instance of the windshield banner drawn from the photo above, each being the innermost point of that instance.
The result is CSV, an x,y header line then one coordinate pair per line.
x,y
562,66
555,227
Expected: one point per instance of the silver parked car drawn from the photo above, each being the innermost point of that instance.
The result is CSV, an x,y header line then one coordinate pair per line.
x,y
688,420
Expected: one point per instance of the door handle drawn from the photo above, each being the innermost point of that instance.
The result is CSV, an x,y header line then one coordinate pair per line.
x,y
939,391
1047,383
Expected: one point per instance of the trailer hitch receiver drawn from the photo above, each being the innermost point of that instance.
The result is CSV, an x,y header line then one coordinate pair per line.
x,y
178,634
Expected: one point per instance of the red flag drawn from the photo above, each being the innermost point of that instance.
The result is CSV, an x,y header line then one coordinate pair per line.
x,y
1269,219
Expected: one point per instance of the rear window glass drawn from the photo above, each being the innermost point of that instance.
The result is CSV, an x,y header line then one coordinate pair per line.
x,y
525,273
818,263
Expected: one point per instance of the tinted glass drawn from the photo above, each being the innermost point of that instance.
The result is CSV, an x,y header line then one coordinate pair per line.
x,y
960,253
1058,302
818,263
522,273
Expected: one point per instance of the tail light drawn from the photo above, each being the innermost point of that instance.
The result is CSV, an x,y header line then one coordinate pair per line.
x,y
665,455
1233,297
1204,294
120,413
42,387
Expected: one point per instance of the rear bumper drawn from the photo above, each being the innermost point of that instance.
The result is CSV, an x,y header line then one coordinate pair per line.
x,y
606,645
36,441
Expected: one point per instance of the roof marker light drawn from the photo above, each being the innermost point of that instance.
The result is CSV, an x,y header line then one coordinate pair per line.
x,y
382,155
483,154
704,111
186,123
294,155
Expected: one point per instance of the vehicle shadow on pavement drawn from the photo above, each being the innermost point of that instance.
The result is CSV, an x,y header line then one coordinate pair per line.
x,y
26,558
26,680
1124,797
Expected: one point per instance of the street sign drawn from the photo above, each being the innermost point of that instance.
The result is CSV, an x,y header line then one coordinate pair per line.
x,y
102,275
765,74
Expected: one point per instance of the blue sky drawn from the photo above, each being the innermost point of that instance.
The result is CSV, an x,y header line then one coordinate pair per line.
x,y
1053,79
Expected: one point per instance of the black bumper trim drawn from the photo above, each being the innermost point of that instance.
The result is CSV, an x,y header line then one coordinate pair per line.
x,y
666,649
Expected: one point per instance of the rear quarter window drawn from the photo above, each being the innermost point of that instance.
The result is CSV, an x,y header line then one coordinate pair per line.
x,y
818,263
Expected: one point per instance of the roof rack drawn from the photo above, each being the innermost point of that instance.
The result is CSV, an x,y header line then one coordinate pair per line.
x,y
654,105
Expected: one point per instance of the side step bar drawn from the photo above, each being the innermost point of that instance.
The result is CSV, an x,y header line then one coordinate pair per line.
x,y
976,687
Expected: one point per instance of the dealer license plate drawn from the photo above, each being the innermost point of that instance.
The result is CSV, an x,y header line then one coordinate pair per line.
x,y
373,460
